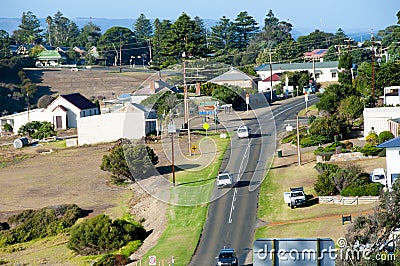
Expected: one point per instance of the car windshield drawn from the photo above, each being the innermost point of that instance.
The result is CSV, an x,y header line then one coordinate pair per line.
x,y
297,194
226,176
225,255
242,130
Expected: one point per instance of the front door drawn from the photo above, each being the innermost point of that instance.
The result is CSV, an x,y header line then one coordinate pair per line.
x,y
58,122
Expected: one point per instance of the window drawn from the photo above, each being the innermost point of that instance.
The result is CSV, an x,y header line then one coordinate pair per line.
x,y
90,112
84,113
334,75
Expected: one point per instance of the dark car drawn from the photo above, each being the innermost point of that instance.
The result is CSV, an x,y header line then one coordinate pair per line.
x,y
227,257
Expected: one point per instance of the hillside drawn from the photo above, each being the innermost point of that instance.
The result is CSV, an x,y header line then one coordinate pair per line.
x,y
96,83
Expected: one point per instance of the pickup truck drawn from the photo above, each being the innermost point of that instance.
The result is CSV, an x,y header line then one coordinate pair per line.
x,y
296,197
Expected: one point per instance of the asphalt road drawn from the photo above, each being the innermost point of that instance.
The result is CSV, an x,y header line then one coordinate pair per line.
x,y
232,212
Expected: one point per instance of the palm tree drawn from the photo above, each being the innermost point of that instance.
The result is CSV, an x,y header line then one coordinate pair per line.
x,y
49,21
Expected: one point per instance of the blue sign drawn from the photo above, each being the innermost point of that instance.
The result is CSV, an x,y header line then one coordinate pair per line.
x,y
207,112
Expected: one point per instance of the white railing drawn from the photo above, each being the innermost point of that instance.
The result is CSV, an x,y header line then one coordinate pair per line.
x,y
347,200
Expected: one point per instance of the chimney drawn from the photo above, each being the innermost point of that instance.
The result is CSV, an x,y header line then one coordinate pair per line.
x,y
198,89
152,87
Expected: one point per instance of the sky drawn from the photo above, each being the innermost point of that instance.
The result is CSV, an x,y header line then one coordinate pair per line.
x,y
361,15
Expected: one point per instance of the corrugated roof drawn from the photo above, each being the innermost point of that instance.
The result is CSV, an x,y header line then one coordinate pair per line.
x,y
49,55
393,143
232,75
275,77
79,101
295,66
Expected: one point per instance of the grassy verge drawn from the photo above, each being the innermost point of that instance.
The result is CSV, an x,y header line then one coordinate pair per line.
x,y
185,223
319,220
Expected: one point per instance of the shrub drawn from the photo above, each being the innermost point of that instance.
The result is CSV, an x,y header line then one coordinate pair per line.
x,y
371,189
113,260
101,235
372,138
33,224
385,136
370,150
314,140
324,185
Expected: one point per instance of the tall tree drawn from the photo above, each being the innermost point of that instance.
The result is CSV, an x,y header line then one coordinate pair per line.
x,y
183,39
143,29
4,44
89,35
64,32
118,45
160,44
29,31
49,22
315,40
345,64
222,34
246,27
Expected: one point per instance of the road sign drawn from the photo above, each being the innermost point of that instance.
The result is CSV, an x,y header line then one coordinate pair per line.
x,y
152,260
207,112
206,126
247,98
306,97
194,148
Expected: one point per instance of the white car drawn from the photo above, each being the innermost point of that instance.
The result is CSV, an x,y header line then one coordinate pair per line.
x,y
243,132
224,179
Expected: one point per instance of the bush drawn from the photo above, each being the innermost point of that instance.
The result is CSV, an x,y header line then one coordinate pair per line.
x,y
314,140
372,138
370,150
385,136
324,185
101,235
113,260
33,224
371,189
37,130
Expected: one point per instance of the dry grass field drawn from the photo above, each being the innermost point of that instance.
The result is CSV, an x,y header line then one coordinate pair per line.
x,y
32,179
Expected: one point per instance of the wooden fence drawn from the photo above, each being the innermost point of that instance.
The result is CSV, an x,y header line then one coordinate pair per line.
x,y
347,200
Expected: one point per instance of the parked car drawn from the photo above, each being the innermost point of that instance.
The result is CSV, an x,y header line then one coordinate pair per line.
x,y
243,132
379,175
296,197
227,257
224,179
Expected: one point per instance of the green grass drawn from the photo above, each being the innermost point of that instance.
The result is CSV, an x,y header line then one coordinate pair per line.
x,y
185,223
319,220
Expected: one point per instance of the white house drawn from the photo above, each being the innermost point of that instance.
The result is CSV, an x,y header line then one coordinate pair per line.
x,y
235,77
265,84
378,119
391,95
132,121
392,160
62,113
322,71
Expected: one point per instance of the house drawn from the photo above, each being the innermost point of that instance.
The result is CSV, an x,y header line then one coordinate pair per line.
x,y
62,113
391,95
322,71
265,84
132,121
317,54
49,58
75,106
235,77
392,160
381,119
153,87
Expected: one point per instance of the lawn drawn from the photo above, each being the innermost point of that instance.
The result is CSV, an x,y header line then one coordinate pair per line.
x,y
185,223
319,220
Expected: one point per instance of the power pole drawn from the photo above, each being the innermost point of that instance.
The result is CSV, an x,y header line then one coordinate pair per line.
x,y
149,45
186,103
372,64
348,45
270,69
298,140
120,50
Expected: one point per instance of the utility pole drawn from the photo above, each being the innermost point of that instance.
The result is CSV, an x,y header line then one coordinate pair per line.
x,y
298,140
270,69
149,45
348,45
372,64
186,103
120,50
